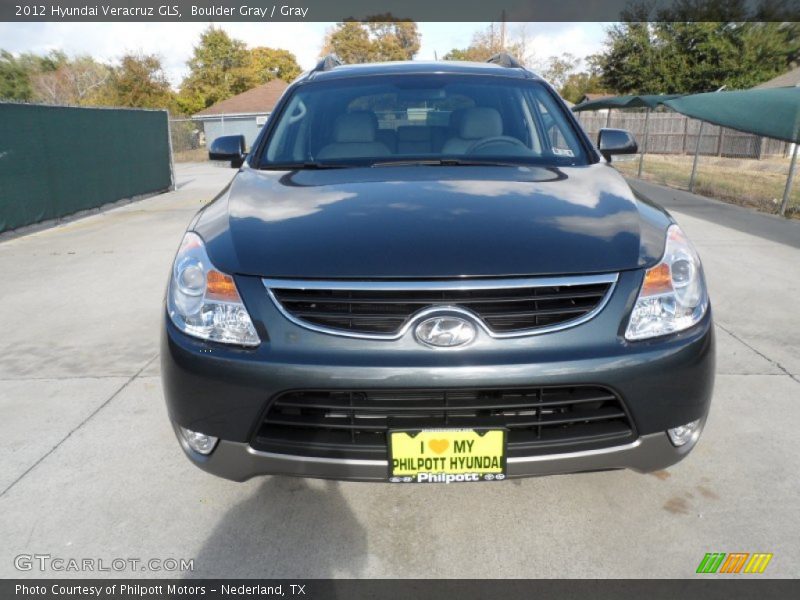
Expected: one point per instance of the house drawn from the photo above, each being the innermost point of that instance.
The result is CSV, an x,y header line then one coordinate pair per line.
x,y
589,97
592,96
243,114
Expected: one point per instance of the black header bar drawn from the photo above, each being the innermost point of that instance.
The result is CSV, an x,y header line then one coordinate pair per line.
x,y
417,10
708,588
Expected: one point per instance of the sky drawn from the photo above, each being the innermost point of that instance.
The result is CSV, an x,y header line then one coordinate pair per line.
x,y
173,42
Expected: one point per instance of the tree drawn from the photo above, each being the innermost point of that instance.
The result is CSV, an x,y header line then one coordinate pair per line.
x,y
138,82
219,68
75,81
696,46
46,63
557,69
394,39
628,62
15,82
265,64
349,41
564,73
382,38
579,84
491,40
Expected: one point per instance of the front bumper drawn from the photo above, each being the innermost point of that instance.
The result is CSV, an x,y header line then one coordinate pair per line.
x,y
239,461
225,391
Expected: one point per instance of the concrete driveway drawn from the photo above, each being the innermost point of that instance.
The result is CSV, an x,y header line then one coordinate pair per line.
x,y
91,469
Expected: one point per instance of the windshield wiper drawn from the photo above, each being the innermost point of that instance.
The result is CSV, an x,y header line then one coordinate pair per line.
x,y
446,162
310,165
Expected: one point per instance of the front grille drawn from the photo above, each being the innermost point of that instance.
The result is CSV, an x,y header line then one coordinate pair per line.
x,y
354,424
380,310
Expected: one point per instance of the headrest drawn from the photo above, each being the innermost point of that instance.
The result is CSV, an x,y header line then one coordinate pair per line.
x,y
355,127
456,117
412,133
481,122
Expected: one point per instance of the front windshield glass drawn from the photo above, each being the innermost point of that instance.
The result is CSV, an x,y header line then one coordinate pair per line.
x,y
378,120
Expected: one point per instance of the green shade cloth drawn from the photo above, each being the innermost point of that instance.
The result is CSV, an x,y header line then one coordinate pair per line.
x,y
55,161
773,113
646,101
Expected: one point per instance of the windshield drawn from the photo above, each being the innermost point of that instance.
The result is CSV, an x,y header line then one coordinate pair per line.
x,y
436,119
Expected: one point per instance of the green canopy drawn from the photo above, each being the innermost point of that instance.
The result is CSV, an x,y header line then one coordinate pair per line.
x,y
645,101
771,112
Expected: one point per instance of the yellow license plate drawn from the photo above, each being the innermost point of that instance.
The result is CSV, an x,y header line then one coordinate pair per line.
x,y
447,455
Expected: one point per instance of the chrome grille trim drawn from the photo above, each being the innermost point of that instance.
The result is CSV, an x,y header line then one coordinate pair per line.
x,y
438,285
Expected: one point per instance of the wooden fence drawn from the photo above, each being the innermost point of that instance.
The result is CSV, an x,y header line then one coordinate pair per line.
x,y
671,133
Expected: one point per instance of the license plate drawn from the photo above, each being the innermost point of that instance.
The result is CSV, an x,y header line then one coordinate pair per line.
x,y
447,455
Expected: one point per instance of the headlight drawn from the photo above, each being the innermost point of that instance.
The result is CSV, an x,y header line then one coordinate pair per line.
x,y
673,295
203,301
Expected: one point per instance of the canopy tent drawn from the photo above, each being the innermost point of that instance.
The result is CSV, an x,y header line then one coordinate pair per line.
x,y
771,113
643,101
648,101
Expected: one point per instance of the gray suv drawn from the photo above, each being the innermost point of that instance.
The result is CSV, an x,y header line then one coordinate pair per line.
x,y
427,273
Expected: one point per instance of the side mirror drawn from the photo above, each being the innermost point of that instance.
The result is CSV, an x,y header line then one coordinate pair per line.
x,y
228,147
616,141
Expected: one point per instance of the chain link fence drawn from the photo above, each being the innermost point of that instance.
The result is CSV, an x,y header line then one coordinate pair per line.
x,y
188,140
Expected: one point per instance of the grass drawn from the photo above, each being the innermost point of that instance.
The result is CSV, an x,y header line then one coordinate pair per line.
x,y
196,155
758,184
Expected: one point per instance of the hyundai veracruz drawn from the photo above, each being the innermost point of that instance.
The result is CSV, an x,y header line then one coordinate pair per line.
x,y
426,272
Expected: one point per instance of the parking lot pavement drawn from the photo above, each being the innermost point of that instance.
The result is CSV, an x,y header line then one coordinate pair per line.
x,y
91,468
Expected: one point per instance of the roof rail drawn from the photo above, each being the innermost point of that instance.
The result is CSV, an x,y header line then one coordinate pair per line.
x,y
504,59
329,62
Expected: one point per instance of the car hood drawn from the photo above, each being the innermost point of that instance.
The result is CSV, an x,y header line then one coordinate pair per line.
x,y
431,222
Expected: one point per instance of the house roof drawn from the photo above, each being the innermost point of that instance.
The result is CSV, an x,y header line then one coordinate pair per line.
x,y
261,99
593,96
788,79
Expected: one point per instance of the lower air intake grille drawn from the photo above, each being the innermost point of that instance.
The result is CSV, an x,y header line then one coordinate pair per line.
x,y
354,424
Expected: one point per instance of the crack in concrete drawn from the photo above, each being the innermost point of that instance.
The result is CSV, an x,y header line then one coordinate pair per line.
x,y
775,363
79,425
734,374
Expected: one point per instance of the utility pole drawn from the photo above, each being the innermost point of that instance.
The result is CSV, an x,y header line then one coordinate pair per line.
x,y
503,30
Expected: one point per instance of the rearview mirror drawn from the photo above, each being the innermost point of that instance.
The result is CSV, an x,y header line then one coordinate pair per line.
x,y
616,141
228,147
